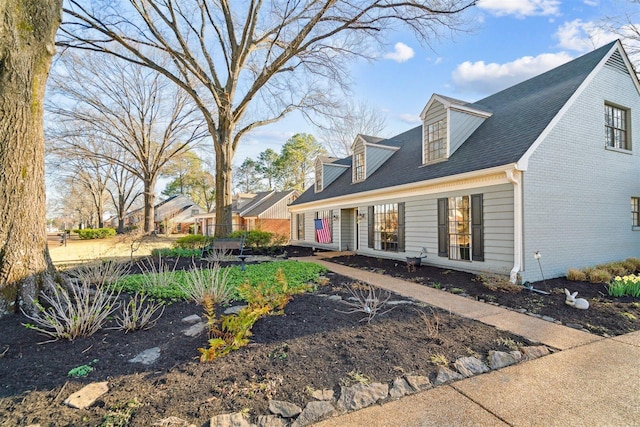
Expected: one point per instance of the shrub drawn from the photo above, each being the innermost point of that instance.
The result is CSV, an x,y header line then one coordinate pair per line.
x,y
137,314
635,262
102,272
191,241
576,275
498,282
254,238
95,233
175,252
618,269
599,275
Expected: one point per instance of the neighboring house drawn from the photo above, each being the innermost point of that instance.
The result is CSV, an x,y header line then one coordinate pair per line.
x,y
173,215
550,165
266,211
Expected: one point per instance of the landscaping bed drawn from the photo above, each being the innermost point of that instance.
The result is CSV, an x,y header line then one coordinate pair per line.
x,y
606,316
314,346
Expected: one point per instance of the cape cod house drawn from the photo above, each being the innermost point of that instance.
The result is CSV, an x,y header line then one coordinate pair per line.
x,y
550,165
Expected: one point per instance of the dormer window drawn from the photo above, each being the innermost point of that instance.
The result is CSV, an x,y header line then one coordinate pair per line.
x,y
358,165
318,182
435,141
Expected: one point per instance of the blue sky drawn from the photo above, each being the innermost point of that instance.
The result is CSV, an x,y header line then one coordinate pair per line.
x,y
508,42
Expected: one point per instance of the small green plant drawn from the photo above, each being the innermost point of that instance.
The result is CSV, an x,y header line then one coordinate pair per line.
x,y
120,415
456,291
508,343
625,286
439,359
355,377
436,285
82,370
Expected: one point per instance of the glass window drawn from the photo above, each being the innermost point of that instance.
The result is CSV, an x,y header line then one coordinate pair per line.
x,y
300,226
359,167
615,127
635,211
386,227
435,141
459,228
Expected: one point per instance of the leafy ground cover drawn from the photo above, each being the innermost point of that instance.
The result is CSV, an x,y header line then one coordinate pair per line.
x,y
313,345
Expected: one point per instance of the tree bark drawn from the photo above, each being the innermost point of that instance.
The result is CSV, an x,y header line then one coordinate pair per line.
x,y
224,196
149,205
27,31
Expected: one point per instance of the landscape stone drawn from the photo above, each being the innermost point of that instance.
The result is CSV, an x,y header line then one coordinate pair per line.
x,y
235,309
446,375
501,359
400,388
548,318
271,421
361,395
194,330
470,366
87,395
533,352
326,394
314,411
147,357
194,318
399,302
574,325
174,422
229,420
335,298
418,382
286,409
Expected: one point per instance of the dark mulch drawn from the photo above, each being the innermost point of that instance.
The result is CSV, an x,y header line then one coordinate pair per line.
x,y
312,346
606,315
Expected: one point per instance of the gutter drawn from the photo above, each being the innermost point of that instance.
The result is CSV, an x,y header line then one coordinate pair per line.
x,y
515,177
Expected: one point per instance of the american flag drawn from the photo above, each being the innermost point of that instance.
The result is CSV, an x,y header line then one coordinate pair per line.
x,y
323,232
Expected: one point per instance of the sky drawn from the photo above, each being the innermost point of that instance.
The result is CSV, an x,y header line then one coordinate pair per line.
x,y
506,42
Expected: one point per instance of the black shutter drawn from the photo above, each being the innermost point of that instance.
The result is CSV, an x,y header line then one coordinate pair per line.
x,y
443,247
477,227
370,224
401,227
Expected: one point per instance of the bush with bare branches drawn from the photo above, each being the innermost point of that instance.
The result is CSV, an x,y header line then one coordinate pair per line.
x,y
367,299
138,314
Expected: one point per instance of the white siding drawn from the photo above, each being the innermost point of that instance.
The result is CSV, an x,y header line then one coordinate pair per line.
x,y
577,193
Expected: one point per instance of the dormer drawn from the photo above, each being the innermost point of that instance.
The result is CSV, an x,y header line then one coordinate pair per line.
x,y
446,124
368,156
327,171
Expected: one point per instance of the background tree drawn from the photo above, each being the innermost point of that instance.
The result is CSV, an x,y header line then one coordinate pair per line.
x,y
128,107
267,166
297,160
124,189
248,64
248,178
190,178
340,129
27,31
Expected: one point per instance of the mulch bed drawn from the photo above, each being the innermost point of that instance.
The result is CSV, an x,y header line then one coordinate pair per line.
x,y
314,345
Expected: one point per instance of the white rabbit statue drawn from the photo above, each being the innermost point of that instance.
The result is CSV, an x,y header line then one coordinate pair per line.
x,y
579,303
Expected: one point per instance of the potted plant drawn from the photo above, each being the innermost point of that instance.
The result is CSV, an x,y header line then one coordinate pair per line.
x,y
416,261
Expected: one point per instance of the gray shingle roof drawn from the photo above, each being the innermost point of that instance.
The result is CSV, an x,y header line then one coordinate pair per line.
x,y
267,201
519,115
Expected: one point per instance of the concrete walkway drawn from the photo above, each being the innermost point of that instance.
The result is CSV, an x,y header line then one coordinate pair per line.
x,y
593,381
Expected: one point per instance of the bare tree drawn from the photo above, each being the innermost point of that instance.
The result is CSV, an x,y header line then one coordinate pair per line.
x,y
27,32
128,107
123,189
255,61
351,119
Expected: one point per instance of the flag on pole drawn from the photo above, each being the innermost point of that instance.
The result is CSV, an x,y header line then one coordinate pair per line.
x,y
323,231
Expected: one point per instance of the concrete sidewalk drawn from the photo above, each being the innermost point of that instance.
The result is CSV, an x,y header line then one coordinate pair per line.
x,y
592,382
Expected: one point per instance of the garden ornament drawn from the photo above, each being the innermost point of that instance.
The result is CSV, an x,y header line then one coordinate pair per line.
x,y
579,303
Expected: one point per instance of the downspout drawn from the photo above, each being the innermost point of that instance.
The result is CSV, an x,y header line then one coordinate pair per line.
x,y
515,177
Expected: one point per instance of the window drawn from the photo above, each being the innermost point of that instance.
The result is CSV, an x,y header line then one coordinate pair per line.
x,y
318,182
616,127
635,211
300,226
435,146
386,227
359,167
460,228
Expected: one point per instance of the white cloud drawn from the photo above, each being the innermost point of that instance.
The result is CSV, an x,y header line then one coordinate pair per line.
x,y
482,78
401,53
591,2
521,8
582,36
410,119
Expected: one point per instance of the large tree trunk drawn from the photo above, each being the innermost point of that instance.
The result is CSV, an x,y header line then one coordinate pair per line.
x,y
224,165
149,205
27,31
